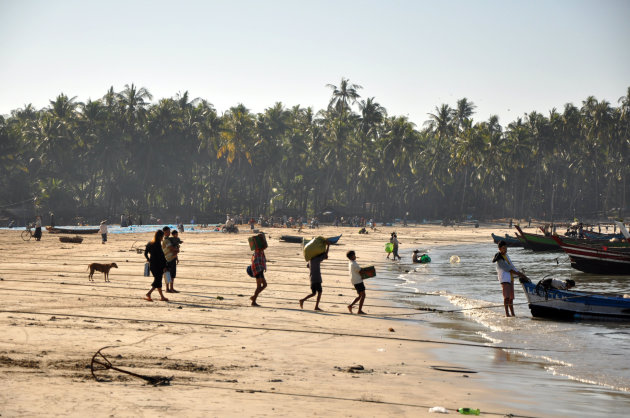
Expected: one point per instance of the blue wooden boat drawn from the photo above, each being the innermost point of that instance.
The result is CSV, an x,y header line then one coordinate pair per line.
x,y
511,241
574,305
298,240
599,236
333,240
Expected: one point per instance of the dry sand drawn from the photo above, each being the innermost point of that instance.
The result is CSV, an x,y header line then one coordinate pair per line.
x,y
226,357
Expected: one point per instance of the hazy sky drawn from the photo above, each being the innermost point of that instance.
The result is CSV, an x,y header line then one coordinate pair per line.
x,y
508,57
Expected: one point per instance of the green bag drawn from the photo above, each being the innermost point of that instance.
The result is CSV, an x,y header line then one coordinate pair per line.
x,y
389,247
314,247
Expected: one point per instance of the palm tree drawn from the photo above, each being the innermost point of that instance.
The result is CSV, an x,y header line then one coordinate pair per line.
x,y
343,96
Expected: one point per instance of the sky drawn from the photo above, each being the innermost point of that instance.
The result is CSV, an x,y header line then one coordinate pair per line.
x,y
508,57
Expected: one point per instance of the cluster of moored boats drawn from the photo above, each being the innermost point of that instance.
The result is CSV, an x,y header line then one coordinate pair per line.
x,y
595,253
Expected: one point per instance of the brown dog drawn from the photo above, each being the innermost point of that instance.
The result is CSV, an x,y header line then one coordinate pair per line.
x,y
104,268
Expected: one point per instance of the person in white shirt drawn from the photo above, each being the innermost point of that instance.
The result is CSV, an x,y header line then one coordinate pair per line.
x,y
357,281
506,272
103,231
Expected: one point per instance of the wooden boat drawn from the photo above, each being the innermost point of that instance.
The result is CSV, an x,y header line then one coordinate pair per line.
x,y
511,241
75,231
333,240
537,242
298,240
596,259
74,240
574,305
291,238
600,236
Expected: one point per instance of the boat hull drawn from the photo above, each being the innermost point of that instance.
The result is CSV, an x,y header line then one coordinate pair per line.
x,y
539,243
597,259
510,241
571,305
74,231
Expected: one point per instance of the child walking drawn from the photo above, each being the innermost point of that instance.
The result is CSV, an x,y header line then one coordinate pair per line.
x,y
357,282
259,266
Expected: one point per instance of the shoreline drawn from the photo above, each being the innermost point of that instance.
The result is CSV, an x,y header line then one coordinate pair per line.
x,y
221,348
516,366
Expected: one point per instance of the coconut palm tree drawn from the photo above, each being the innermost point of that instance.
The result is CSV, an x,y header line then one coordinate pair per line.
x,y
343,95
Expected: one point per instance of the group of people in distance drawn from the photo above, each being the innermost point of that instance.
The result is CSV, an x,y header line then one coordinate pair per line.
x,y
161,253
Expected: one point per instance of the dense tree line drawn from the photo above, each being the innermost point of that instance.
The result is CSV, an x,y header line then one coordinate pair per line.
x,y
123,154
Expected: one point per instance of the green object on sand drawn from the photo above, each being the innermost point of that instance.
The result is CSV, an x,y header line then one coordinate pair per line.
x,y
389,247
314,247
469,411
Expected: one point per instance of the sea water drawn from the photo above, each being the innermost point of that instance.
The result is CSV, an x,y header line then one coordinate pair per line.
x,y
593,355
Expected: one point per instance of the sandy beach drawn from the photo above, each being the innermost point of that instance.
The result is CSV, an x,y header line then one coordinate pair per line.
x,y
225,357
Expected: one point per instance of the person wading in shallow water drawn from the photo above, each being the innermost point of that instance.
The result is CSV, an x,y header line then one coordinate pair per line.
x,y
505,273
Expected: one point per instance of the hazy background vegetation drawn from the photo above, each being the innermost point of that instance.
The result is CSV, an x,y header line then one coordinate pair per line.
x,y
125,153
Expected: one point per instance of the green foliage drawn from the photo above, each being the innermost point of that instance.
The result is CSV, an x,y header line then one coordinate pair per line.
x,y
122,154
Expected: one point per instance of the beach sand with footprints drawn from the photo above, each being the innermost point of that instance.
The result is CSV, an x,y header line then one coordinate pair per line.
x,y
225,357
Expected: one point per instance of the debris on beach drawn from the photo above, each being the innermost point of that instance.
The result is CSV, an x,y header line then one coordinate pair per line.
x,y
101,363
354,369
438,410
452,369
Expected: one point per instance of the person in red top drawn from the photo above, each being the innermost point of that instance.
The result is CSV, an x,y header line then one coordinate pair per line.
x,y
251,223
259,266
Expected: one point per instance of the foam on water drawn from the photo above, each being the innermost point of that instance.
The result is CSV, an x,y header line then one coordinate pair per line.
x,y
588,352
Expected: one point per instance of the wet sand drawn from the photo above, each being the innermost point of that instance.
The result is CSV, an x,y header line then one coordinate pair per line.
x,y
225,357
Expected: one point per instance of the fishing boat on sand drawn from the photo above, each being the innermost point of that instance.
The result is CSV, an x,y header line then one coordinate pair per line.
x,y
74,231
298,240
574,305
597,259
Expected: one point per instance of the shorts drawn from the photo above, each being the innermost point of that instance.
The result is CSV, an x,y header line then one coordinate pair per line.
x,y
360,287
508,290
171,266
260,275
316,287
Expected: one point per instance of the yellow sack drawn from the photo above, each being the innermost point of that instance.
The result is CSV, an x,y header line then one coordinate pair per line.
x,y
314,247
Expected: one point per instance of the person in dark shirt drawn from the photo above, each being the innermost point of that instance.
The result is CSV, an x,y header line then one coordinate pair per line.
x,y
157,264
316,278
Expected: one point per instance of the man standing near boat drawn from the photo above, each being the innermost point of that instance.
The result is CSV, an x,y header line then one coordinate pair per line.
x,y
506,272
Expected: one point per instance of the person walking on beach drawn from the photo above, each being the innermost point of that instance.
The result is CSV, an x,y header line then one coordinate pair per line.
x,y
170,254
259,267
103,230
357,281
157,264
315,272
506,272
395,242
38,228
